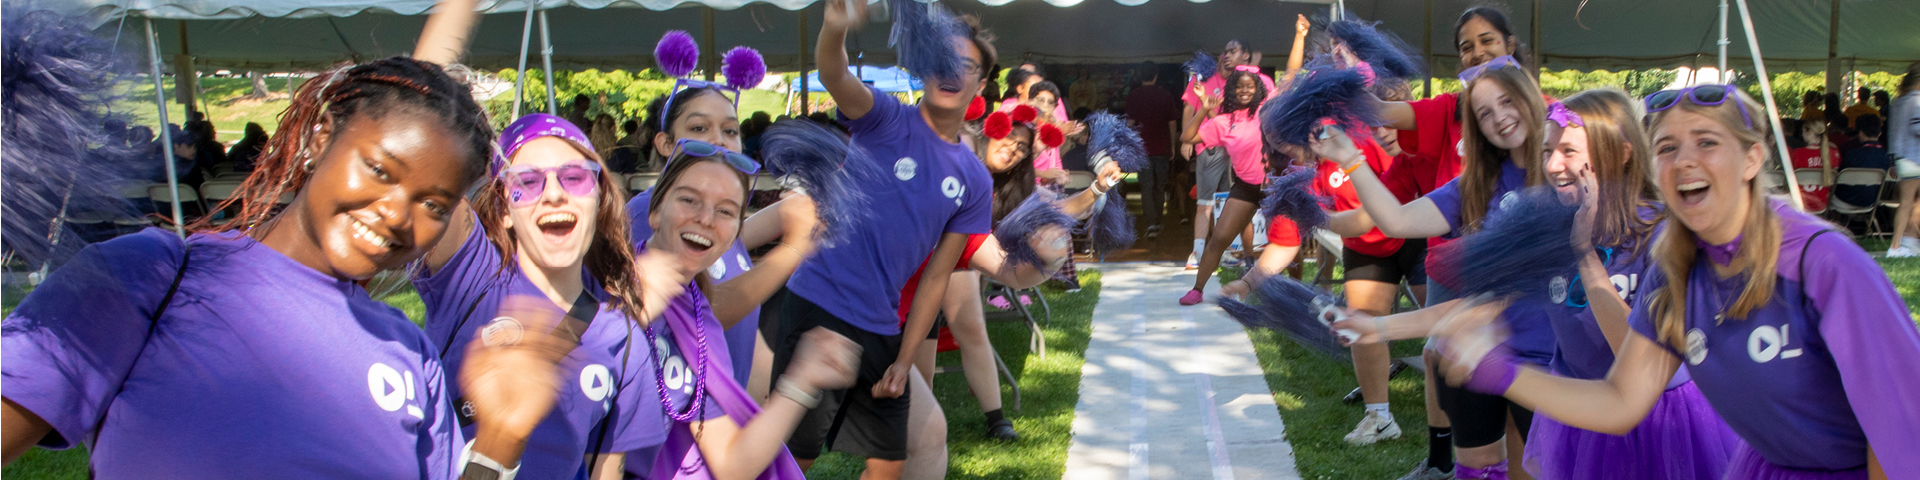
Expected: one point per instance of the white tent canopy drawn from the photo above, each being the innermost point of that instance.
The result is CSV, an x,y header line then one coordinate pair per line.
x,y
267,34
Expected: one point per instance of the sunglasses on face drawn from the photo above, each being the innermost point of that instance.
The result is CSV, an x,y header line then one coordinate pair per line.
x,y
525,183
686,83
1702,95
696,148
1502,61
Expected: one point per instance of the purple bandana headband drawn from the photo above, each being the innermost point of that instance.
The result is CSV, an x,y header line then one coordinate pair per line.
x,y
533,126
1558,113
1721,254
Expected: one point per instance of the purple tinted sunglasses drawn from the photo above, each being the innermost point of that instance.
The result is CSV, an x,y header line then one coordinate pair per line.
x,y
1502,61
1702,95
526,183
697,148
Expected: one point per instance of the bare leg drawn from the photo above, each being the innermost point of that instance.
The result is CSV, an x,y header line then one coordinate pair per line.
x,y
1904,216
926,434
1516,449
968,322
1234,217
1246,242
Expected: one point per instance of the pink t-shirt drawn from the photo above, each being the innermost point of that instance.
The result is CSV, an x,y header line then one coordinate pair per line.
x,y
1215,87
1048,158
1239,133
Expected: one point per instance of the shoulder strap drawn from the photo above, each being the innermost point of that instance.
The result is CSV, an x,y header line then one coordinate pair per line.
x,y
153,323
1806,301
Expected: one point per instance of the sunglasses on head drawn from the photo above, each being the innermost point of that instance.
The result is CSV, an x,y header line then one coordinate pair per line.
x,y
1702,95
526,183
1502,61
696,148
680,85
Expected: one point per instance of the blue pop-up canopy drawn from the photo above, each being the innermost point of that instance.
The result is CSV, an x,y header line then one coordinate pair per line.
x,y
885,79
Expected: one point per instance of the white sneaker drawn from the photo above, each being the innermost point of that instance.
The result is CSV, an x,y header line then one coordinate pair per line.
x,y
1901,252
1910,242
1373,428
1193,261
1229,259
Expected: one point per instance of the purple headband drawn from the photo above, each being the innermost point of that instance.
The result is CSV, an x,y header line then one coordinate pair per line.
x,y
533,126
1558,113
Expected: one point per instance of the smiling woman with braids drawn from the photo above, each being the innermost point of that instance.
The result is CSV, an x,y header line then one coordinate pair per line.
x,y
248,349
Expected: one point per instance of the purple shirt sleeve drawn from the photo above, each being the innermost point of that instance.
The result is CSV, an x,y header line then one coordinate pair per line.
x,y
1447,199
976,209
1874,343
441,445
883,117
72,341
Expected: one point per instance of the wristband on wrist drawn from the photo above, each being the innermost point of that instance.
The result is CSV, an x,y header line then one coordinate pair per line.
x,y
791,390
1356,166
1495,372
476,466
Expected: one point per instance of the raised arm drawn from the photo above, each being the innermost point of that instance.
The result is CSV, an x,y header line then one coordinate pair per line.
x,y
1398,115
1297,56
733,299
823,361
23,429
852,97
444,39
461,227
1419,219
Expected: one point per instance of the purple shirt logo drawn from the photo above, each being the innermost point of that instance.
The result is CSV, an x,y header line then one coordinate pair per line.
x,y
1767,343
953,189
393,389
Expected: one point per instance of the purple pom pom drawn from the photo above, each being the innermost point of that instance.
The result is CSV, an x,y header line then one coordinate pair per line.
x,y
61,163
828,165
1111,228
1202,64
1109,133
743,67
922,38
676,54
1292,196
1286,307
1322,92
1520,250
1024,222
1388,55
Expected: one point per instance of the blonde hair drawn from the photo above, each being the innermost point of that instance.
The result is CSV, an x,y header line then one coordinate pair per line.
x,y
1622,166
1677,246
1481,159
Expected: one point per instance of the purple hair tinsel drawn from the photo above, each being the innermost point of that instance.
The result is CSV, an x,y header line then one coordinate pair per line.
x,y
677,54
1111,228
1518,251
1202,64
922,38
828,165
1285,306
1320,93
1110,133
1388,55
1292,196
1025,221
743,67
60,160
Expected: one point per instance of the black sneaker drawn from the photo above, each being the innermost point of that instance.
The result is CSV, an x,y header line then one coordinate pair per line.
x,y
1002,431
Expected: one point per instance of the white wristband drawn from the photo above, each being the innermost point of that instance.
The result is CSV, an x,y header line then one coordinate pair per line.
x,y
787,388
470,457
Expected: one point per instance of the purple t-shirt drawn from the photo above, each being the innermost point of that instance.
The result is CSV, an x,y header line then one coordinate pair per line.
x,y
599,396
743,337
1828,366
1582,350
260,367
1532,332
936,188
678,375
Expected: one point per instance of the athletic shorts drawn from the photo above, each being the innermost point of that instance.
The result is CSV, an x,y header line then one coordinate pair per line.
x,y
1212,172
1243,191
1409,263
868,427
1906,169
1478,420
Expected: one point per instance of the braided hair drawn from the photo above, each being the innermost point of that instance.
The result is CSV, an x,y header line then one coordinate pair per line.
x,y
339,96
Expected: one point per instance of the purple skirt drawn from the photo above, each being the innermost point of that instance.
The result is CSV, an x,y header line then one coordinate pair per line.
x,y
1681,439
1748,465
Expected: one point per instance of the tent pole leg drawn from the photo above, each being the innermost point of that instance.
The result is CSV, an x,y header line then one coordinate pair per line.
x,y
708,57
1833,49
166,134
1773,111
1724,76
546,64
805,56
520,77
1426,54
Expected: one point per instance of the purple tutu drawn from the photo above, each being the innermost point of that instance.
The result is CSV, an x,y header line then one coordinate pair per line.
x,y
1748,465
1681,439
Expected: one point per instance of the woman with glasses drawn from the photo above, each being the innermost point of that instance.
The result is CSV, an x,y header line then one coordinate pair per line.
x,y
1788,328
1598,156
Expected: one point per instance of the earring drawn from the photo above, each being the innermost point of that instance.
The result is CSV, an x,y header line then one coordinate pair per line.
x,y
307,165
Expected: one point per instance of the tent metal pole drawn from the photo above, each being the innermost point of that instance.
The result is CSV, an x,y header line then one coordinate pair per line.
x,y
546,65
166,134
1724,76
1426,54
1833,48
1773,111
520,77
1539,52
708,57
805,56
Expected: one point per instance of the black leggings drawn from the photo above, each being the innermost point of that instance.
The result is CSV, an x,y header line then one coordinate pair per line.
x,y
1478,419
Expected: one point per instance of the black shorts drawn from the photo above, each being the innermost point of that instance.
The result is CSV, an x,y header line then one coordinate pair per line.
x,y
1410,264
1478,420
1246,192
869,427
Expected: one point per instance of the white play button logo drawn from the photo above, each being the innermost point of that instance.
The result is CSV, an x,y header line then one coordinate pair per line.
x,y
388,388
596,382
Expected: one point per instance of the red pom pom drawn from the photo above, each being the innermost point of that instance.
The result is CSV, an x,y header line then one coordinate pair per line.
x,y
998,126
1024,113
1051,136
977,108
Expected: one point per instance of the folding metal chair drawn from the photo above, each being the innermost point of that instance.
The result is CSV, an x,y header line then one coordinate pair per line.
x,y
1873,178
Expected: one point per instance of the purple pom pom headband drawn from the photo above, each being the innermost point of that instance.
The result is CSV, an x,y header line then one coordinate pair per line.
x,y
1558,113
677,53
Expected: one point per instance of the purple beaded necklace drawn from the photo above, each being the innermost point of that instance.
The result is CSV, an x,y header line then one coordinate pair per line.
x,y
697,407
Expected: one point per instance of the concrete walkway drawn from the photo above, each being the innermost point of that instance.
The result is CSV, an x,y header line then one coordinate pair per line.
x,y
1171,392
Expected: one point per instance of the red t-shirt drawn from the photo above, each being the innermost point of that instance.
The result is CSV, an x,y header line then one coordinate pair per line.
x,y
1334,183
1815,196
1283,232
913,282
